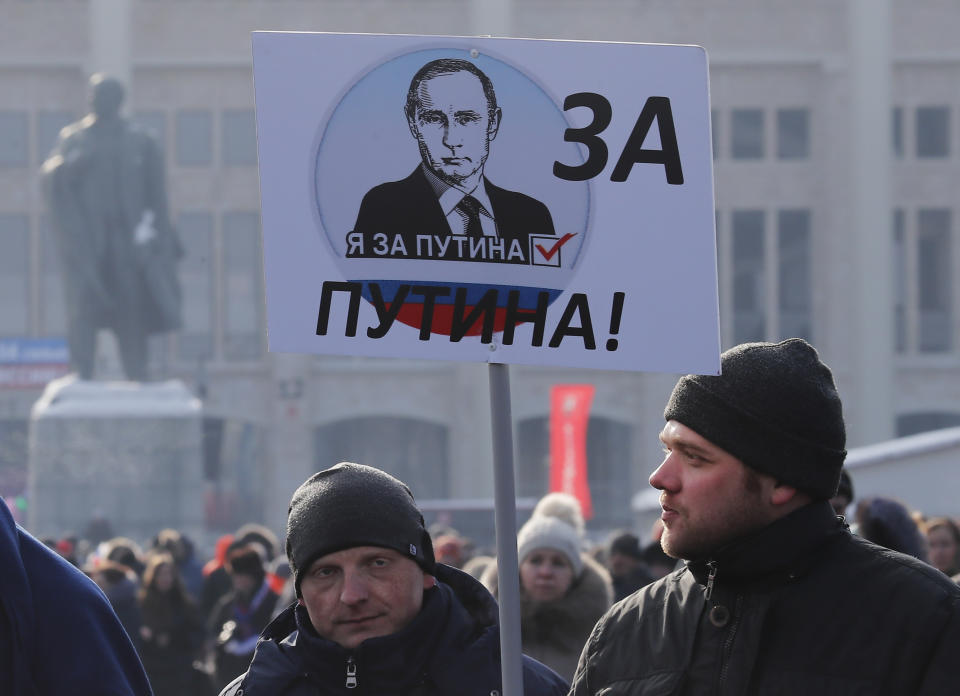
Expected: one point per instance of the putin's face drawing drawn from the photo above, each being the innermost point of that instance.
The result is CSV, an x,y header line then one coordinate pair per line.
x,y
453,126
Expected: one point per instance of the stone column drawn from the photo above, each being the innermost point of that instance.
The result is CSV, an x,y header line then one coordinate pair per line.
x,y
871,36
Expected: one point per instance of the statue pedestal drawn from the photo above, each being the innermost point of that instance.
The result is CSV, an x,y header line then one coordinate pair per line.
x,y
129,451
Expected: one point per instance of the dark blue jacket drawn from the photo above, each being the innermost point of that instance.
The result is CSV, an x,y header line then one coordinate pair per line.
x,y
58,634
451,647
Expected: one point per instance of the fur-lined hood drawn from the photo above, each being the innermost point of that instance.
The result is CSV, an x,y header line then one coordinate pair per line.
x,y
555,632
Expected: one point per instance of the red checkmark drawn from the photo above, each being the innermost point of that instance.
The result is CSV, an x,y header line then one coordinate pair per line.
x,y
556,247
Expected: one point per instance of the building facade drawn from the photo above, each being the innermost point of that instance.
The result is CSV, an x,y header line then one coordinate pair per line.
x,y
814,238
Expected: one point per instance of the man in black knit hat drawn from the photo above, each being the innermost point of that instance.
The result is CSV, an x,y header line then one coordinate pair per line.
x,y
375,613
775,596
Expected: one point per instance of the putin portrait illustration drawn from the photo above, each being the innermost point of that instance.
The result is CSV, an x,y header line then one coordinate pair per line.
x,y
452,112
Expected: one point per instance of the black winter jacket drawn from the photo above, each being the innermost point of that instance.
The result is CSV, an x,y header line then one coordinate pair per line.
x,y
800,608
451,648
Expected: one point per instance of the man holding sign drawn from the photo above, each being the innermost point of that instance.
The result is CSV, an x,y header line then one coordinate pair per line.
x,y
776,595
375,612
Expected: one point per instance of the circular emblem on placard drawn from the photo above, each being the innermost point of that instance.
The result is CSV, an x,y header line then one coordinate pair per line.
x,y
434,185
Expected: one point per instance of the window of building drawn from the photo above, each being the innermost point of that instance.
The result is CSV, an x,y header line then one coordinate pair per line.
x,y
793,133
195,341
413,450
14,274
914,423
766,286
933,131
49,125
609,471
793,252
239,137
242,290
749,276
194,138
896,135
899,281
934,280
14,126
53,310
747,134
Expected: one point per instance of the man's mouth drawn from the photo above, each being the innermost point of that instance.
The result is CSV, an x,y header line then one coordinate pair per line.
x,y
669,514
358,620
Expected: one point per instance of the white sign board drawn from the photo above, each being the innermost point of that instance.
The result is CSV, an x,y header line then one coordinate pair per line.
x,y
488,200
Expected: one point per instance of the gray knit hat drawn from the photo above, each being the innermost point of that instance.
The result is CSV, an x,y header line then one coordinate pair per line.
x,y
775,408
352,505
554,526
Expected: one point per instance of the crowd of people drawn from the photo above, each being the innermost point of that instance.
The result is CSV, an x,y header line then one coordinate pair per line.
x,y
195,622
764,574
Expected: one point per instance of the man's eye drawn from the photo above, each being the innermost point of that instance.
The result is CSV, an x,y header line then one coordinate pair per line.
x,y
380,562
430,118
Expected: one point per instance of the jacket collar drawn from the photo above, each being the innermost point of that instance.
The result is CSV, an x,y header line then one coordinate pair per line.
x,y
456,614
783,548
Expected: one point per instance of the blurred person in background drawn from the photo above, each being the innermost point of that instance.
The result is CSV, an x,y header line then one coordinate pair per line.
x,y
124,551
449,549
658,562
943,544
375,612
841,501
476,566
120,584
216,579
239,616
58,634
563,591
252,533
172,633
888,523
627,565
181,549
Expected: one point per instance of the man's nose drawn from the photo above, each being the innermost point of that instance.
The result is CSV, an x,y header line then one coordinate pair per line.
x,y
452,136
354,588
665,478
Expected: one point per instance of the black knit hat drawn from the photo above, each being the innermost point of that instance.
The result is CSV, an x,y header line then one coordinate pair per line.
x,y
775,408
351,505
244,559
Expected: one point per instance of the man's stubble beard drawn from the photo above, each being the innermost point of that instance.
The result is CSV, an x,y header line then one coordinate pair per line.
x,y
723,527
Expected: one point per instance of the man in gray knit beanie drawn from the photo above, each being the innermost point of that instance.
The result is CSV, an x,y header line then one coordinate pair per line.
x,y
776,595
375,612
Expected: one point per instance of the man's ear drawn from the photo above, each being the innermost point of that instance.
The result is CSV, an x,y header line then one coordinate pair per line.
x,y
429,581
782,494
494,124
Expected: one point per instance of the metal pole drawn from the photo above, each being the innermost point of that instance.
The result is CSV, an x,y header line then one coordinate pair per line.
x,y
505,514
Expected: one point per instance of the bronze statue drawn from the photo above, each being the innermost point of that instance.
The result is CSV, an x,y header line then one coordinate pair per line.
x,y
105,189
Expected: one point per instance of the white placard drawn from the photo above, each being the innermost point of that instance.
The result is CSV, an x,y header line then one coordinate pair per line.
x,y
488,200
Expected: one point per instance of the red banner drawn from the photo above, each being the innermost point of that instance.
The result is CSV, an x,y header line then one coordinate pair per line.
x,y
569,414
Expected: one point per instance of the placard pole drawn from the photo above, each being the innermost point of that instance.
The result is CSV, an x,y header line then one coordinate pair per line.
x,y
505,515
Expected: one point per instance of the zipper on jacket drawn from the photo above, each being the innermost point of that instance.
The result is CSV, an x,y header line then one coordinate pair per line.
x,y
728,644
712,565
351,673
